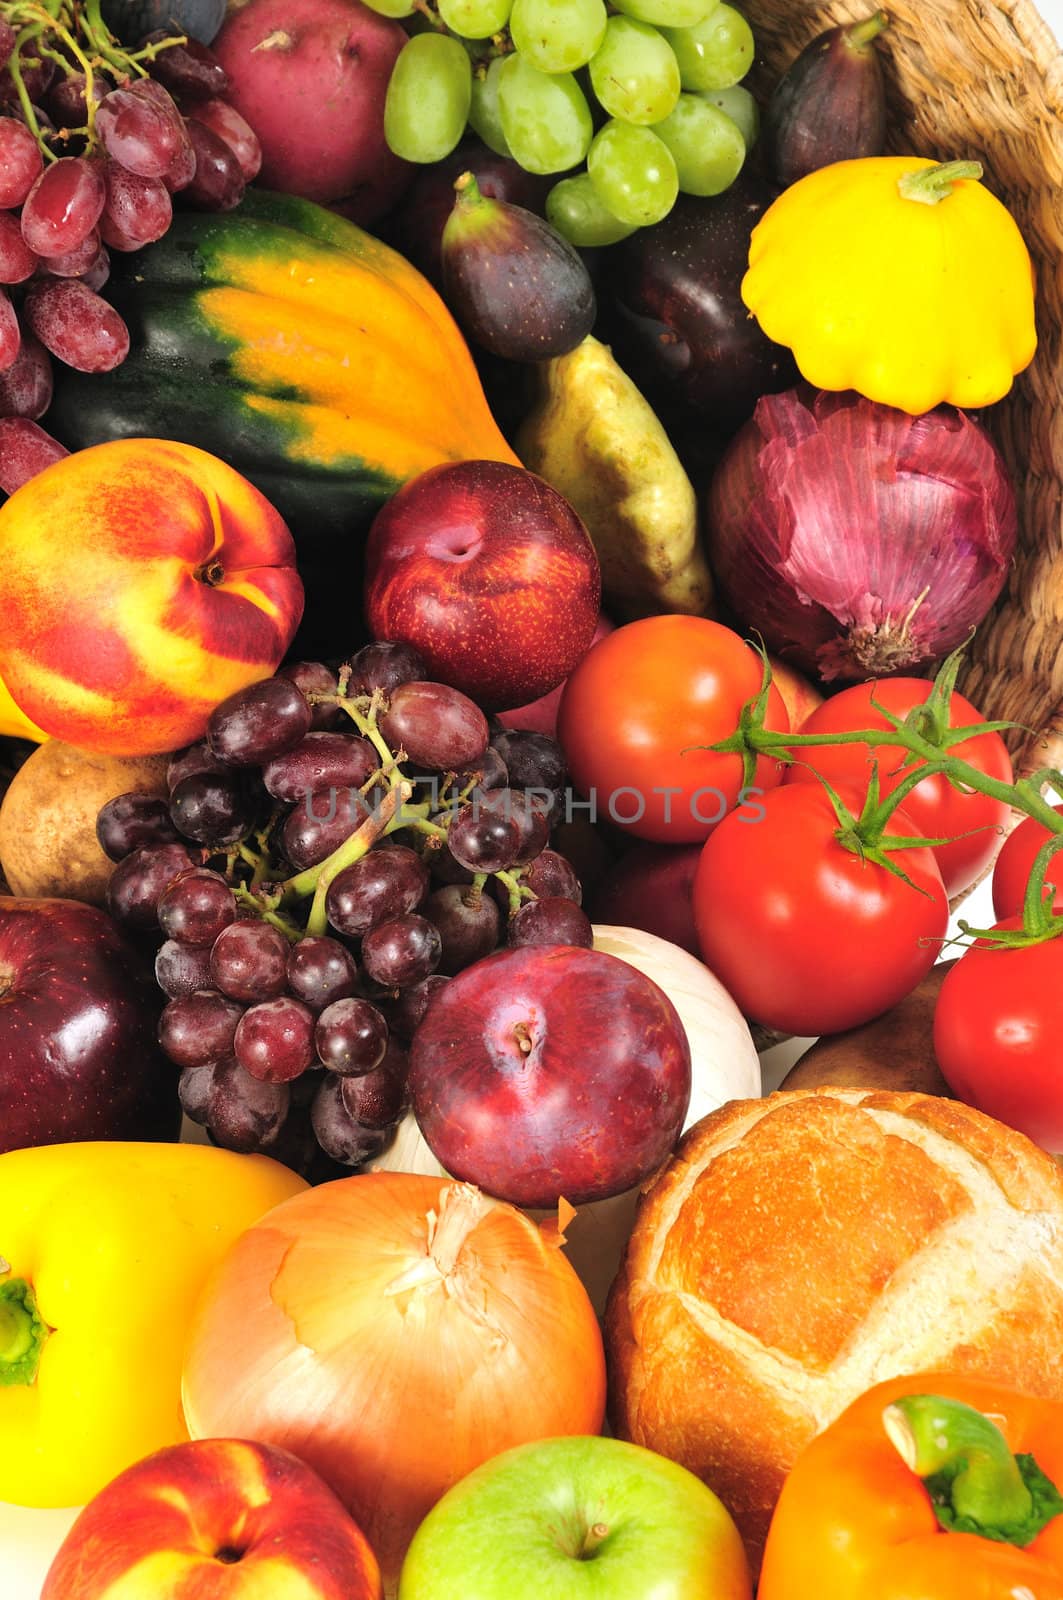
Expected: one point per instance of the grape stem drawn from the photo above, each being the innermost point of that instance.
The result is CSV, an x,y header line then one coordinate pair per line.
x,y
316,880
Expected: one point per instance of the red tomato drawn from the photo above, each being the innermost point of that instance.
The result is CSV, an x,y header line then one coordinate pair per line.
x,y
634,707
997,1027
937,810
807,936
1012,871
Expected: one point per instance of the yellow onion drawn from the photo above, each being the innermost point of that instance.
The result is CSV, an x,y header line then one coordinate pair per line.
x,y
394,1331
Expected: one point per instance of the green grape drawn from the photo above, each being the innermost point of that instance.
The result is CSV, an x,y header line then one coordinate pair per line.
x,y
428,97
475,19
545,117
667,13
390,8
485,116
716,53
557,35
633,173
741,107
708,147
635,73
574,209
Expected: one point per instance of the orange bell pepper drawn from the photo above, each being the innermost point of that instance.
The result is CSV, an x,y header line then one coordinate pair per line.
x,y
934,1487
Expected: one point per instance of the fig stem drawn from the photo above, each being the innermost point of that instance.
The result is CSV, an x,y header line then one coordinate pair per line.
x,y
859,35
931,185
467,189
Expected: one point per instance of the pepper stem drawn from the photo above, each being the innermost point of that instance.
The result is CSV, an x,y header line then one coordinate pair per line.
x,y
858,35
933,184
23,1333
976,1484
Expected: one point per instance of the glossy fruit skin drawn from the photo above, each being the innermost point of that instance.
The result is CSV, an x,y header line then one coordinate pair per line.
x,y
1011,872
177,587
652,888
829,106
516,287
807,937
934,807
635,707
490,574
204,305
78,1053
169,1513
996,1035
550,1070
674,316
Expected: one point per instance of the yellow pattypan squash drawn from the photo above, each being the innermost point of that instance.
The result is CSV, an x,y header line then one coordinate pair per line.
x,y
897,277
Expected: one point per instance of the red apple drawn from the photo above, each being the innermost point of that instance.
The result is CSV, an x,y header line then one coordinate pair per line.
x,y
652,888
215,1519
490,574
550,1070
78,1012
541,715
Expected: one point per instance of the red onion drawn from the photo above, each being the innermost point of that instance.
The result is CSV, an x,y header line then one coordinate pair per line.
x,y
858,540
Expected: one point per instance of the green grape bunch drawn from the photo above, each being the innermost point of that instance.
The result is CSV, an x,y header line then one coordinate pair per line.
x,y
630,104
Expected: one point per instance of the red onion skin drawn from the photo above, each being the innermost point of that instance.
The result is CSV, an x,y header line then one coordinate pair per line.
x,y
856,539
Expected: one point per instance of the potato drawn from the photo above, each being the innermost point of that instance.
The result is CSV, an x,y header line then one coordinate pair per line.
x,y
48,819
895,1051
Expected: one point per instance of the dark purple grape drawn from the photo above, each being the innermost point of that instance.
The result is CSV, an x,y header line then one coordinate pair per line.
x,y
377,1099
275,1040
196,907
180,969
249,961
468,923
140,880
130,20
533,760
258,722
489,773
438,727
552,920
387,882
405,1011
313,677
194,1090
211,808
297,1146
321,970
131,821
218,184
199,1028
189,70
320,823
383,665
444,867
532,817
484,839
553,874
338,1133
351,1037
234,130
67,104
191,762
244,1113
401,952
318,763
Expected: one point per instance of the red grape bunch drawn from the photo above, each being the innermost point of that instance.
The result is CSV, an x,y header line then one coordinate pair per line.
x,y
95,140
336,848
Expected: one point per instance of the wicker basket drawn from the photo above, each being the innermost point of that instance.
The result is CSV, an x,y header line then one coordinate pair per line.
x,y
983,79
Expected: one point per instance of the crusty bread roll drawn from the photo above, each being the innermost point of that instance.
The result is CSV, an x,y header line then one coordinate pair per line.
x,y
798,1249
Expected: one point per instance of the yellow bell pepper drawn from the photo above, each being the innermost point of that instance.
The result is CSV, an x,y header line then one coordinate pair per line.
x,y
14,723
104,1249
903,279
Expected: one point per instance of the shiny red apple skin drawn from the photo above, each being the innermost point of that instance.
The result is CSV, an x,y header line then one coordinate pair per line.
x,y
651,887
548,1071
215,1519
78,1012
490,574
540,716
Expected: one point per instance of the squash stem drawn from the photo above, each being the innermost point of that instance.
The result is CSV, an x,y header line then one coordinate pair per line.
x,y
930,185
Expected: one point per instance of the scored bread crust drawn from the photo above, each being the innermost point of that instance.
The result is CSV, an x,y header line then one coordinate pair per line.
x,y
798,1249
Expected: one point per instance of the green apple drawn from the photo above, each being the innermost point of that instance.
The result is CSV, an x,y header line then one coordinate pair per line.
x,y
577,1518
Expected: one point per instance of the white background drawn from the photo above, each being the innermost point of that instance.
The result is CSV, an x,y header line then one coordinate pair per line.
x,y
28,1539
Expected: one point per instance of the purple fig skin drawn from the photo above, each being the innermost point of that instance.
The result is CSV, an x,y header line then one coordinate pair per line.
x,y
830,104
515,286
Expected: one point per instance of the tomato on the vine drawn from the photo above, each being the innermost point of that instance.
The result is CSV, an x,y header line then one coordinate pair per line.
x,y
1011,873
997,1027
937,810
809,936
634,710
